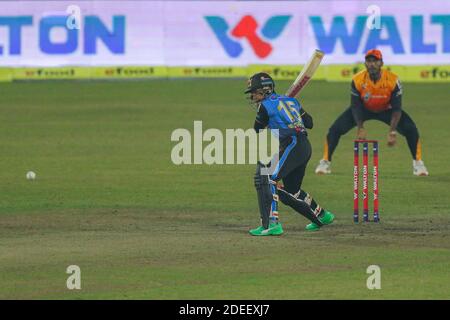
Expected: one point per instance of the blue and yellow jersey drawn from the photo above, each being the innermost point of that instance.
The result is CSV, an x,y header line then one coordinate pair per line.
x,y
280,113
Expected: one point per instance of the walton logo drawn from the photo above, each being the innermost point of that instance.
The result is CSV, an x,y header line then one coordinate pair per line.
x,y
247,28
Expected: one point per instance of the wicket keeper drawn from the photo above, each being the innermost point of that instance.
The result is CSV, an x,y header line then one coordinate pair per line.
x,y
288,120
376,94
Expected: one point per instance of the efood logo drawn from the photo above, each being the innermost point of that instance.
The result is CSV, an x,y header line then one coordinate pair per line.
x,y
247,28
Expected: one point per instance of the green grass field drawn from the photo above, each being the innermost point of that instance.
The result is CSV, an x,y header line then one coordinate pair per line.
x,y
108,199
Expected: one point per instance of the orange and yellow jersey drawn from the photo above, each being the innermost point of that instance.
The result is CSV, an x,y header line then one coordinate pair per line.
x,y
379,96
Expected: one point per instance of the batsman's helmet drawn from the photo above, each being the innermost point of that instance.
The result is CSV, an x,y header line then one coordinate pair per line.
x,y
260,81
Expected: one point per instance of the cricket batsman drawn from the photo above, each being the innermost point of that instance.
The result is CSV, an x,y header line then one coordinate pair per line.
x,y
288,120
376,94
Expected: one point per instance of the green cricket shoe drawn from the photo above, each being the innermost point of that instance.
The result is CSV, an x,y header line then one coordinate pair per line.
x,y
327,218
256,231
275,229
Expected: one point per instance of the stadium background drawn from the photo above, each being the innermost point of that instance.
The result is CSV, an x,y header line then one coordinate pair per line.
x,y
160,39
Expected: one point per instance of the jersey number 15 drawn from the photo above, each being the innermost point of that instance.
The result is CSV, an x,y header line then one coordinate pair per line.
x,y
287,108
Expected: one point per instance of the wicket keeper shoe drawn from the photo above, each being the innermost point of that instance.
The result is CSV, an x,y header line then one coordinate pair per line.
x,y
419,168
327,218
324,167
275,229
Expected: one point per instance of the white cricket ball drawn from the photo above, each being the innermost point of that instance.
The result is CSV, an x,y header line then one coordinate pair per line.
x,y
31,175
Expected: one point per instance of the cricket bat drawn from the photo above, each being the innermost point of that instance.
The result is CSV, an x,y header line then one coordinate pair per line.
x,y
306,73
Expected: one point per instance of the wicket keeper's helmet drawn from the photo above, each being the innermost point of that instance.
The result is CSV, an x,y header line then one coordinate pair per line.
x,y
260,81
